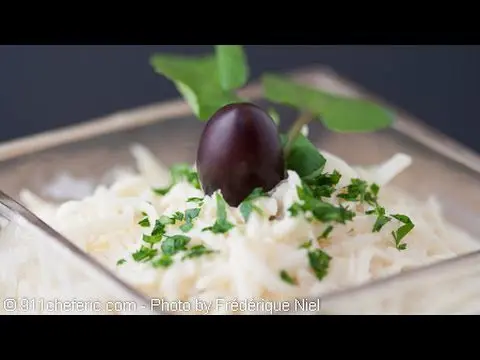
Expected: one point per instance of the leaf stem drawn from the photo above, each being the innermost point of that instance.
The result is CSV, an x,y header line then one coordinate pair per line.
x,y
302,120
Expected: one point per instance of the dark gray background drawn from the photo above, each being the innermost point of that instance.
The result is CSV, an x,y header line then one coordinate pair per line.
x,y
44,87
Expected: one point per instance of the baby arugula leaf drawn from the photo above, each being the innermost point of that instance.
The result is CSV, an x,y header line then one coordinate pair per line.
x,y
338,113
232,65
197,79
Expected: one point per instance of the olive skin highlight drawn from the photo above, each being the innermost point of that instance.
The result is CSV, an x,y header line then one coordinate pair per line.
x,y
240,150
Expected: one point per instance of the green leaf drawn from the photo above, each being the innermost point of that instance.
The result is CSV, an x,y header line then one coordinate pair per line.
x,y
180,172
173,244
162,261
161,191
145,222
256,193
144,254
355,191
375,189
232,65
177,216
402,218
381,221
159,228
338,113
402,231
320,210
185,172
195,200
186,227
197,79
197,251
247,205
326,232
191,214
221,225
165,220
246,209
322,184
399,234
304,158
306,245
152,239
285,276
319,262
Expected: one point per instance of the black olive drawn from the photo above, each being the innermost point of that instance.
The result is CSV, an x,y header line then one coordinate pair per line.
x,y
240,150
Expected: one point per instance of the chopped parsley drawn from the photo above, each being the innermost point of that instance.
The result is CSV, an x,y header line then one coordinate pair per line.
x,y
180,172
165,220
322,184
221,225
319,262
162,261
121,261
382,219
196,251
144,254
285,276
174,244
374,189
190,215
247,205
152,239
306,245
162,191
184,172
320,210
186,227
359,191
195,200
177,216
145,222
158,231
169,220
402,231
326,232
159,228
